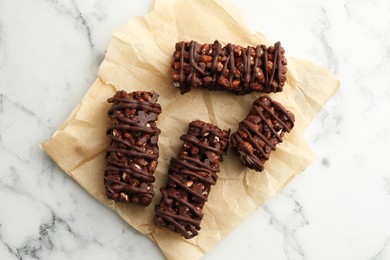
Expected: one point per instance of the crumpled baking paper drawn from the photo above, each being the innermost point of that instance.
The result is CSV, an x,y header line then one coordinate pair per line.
x,y
138,58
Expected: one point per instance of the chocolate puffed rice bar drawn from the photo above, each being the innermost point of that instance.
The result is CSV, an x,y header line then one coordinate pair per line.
x,y
190,177
133,151
233,68
260,132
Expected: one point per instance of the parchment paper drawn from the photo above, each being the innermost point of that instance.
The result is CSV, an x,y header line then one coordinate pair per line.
x,y
138,58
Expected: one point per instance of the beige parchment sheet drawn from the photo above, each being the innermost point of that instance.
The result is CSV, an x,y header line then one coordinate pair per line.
x,y
138,58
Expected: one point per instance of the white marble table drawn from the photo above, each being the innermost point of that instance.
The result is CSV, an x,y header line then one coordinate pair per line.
x,y
339,208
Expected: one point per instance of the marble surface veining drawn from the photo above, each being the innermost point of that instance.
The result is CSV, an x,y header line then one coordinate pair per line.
x,y
339,208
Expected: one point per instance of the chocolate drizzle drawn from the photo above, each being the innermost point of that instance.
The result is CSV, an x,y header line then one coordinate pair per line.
x,y
234,68
133,151
190,177
260,132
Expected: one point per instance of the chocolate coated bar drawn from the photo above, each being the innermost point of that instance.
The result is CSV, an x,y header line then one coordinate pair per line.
x,y
190,177
232,67
133,150
260,132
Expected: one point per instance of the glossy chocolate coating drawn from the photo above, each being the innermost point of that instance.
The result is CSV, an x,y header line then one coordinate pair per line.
x,y
260,132
190,177
133,150
232,67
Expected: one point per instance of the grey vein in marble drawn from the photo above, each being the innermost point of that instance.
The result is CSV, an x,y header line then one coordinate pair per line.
x,y
86,26
21,107
14,154
387,183
12,105
325,26
76,15
41,243
381,255
296,220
